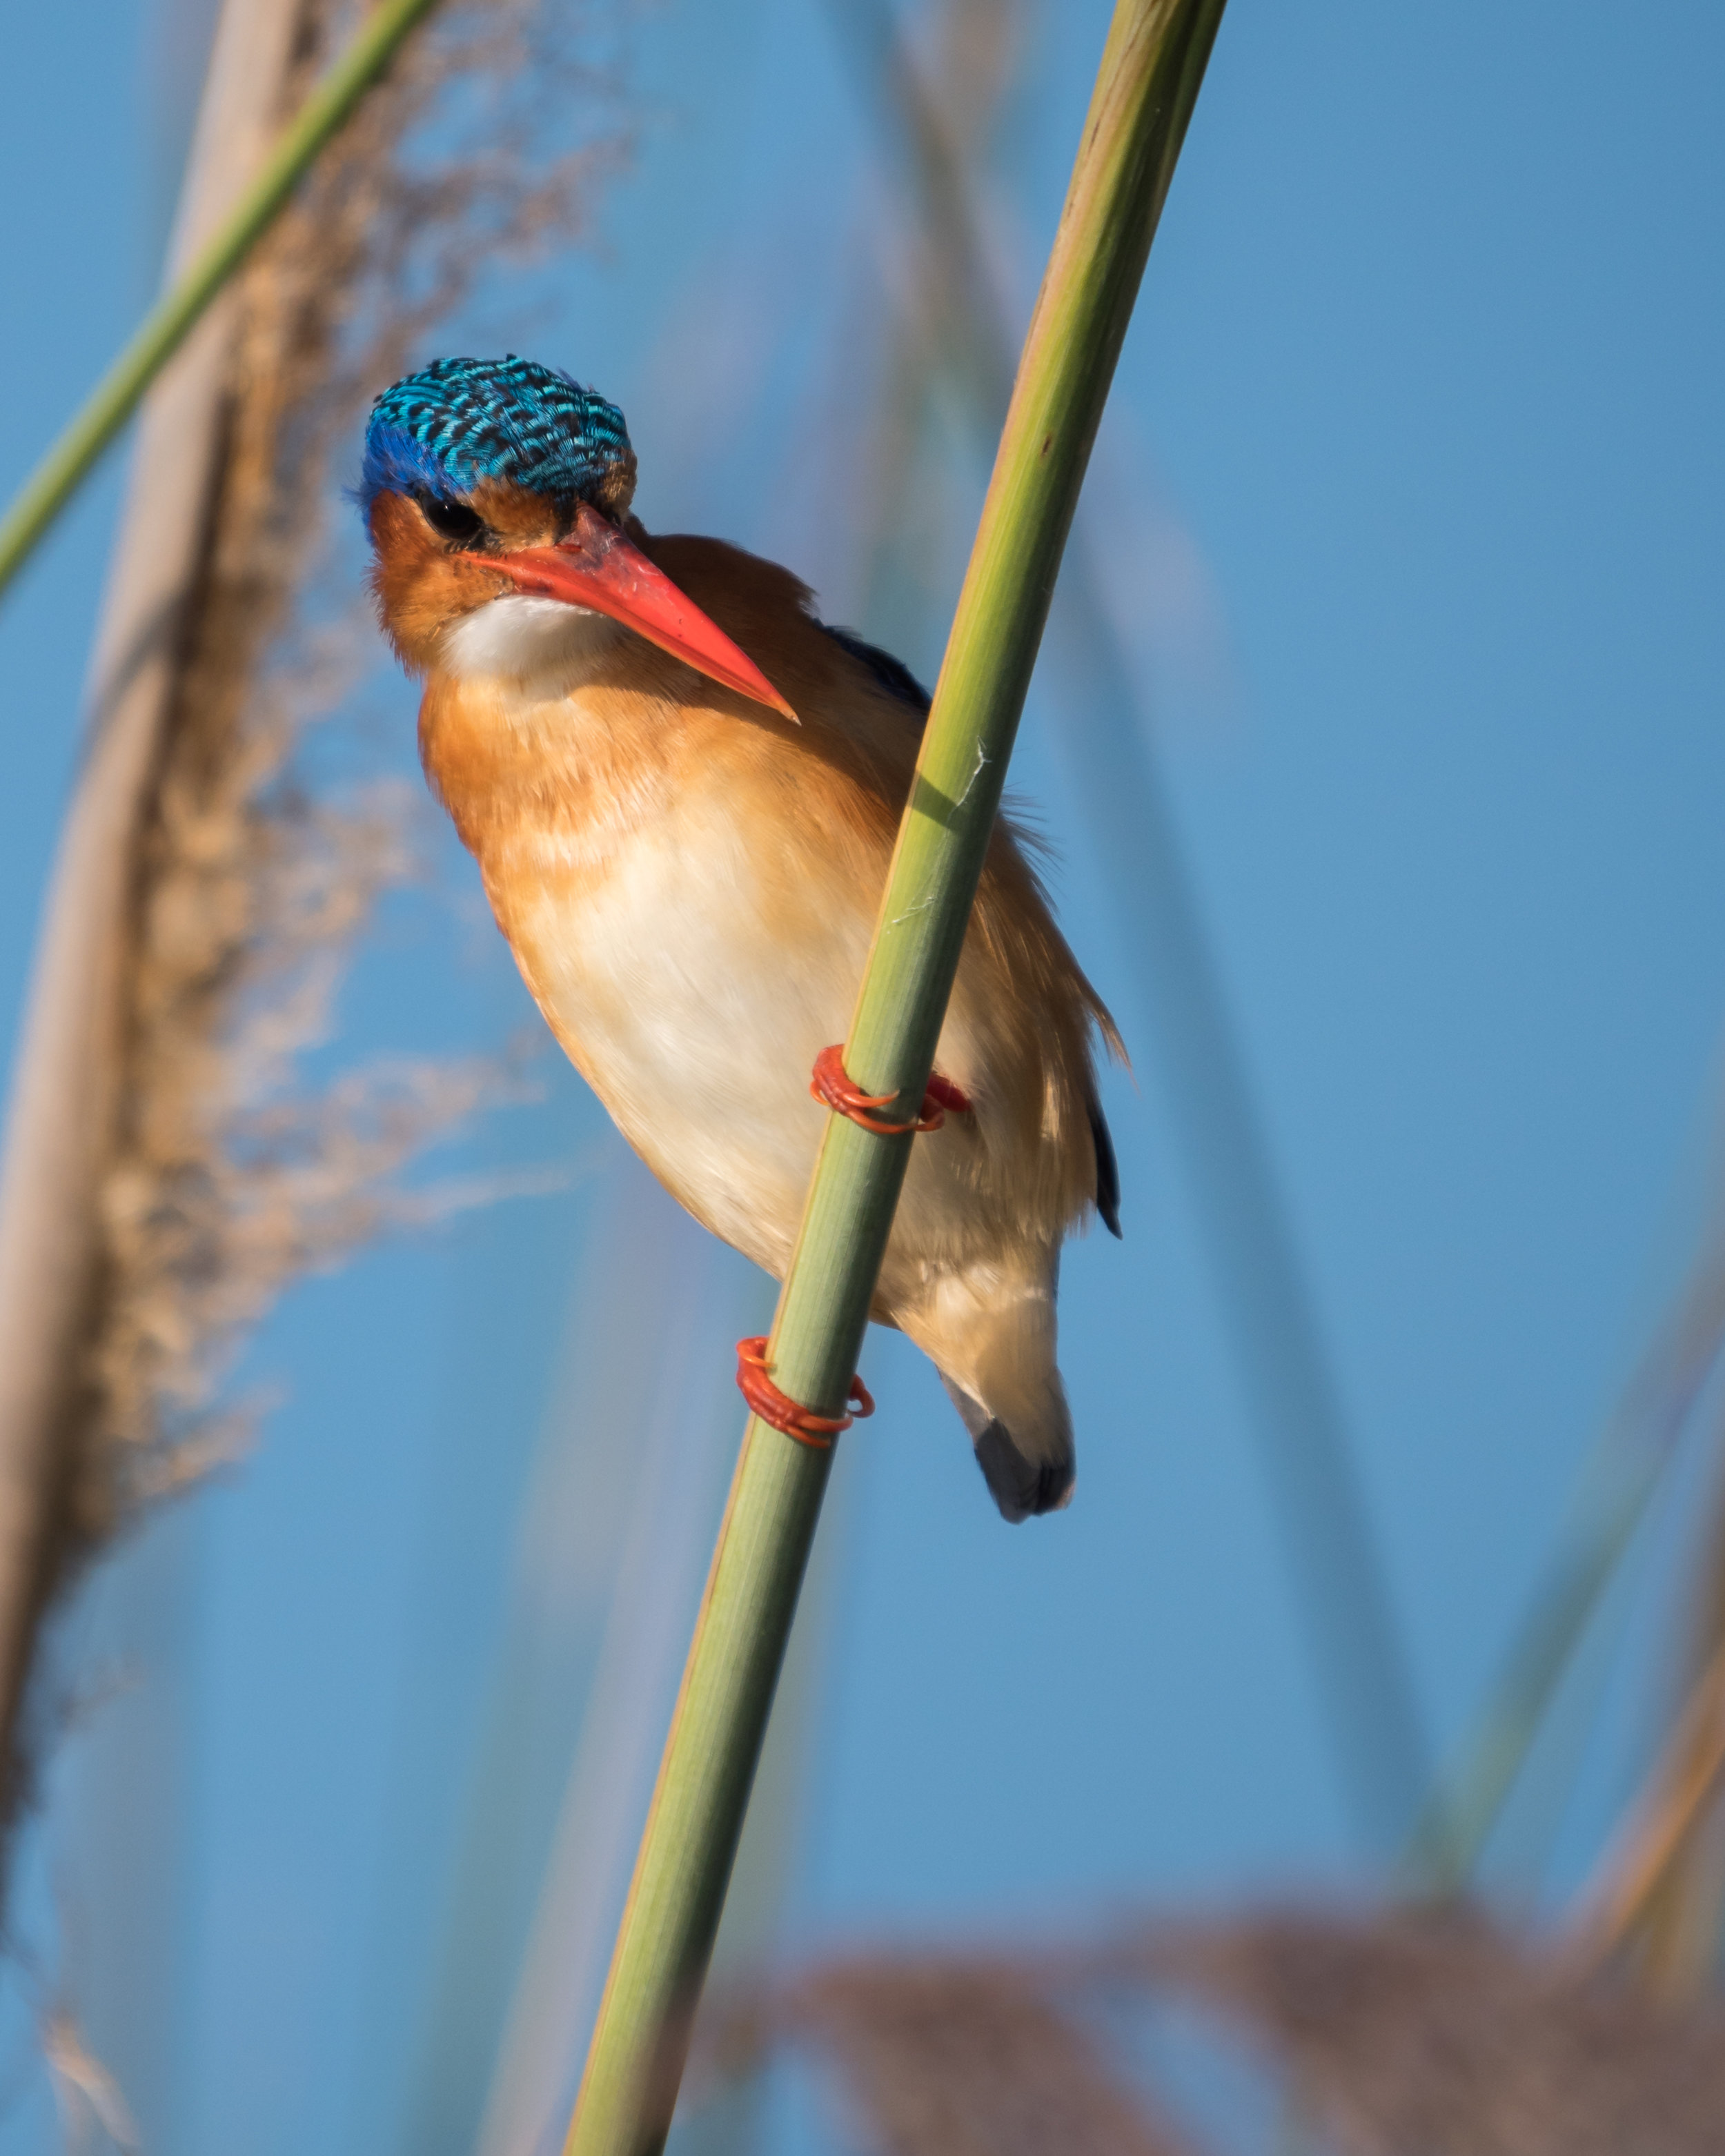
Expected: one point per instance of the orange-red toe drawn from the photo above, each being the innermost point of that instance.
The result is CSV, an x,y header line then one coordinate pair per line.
x,y
832,1084
765,1400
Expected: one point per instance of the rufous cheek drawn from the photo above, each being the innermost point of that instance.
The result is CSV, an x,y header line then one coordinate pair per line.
x,y
419,586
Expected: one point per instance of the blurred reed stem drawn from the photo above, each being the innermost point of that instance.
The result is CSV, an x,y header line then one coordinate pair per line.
x,y
1678,1928
198,281
1624,1474
65,1101
1672,1805
1151,66
1364,1674
1451,1836
165,1172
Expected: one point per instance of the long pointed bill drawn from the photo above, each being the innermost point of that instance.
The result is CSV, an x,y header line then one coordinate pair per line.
x,y
598,567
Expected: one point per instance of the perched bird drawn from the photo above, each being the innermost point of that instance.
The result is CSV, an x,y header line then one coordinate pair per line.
x,y
682,789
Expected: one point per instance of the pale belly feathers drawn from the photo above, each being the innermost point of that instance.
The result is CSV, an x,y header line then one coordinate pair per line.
x,y
693,966
674,986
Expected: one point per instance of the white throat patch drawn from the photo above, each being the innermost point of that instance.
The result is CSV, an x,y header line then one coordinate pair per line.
x,y
546,646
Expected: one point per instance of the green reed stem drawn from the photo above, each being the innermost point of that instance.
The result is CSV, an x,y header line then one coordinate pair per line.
x,y
171,321
1151,66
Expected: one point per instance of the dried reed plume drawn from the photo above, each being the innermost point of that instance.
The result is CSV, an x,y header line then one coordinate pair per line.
x,y
225,1177
948,2056
1418,2033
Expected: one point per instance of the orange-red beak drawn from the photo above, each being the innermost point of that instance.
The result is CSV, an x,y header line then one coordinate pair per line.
x,y
598,567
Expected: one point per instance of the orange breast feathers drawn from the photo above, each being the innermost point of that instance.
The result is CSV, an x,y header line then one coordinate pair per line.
x,y
558,789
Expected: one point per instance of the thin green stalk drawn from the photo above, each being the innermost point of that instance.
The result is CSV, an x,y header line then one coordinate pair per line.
x,y
1450,1839
166,327
1680,1932
1151,66
1627,1469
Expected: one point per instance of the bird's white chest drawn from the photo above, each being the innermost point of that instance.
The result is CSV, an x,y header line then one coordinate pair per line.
x,y
694,986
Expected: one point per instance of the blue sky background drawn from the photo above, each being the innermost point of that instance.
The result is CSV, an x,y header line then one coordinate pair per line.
x,y
1412,483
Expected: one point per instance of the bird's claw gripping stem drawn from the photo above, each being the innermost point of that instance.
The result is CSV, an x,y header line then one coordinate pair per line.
x,y
832,1084
765,1400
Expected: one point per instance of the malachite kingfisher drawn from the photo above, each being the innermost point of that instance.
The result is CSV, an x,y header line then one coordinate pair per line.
x,y
682,789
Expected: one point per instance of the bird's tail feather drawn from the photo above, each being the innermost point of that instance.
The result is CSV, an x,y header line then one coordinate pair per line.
x,y
992,1341
1020,1484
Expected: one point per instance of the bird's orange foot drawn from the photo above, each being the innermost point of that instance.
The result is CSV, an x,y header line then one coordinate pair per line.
x,y
783,1412
832,1084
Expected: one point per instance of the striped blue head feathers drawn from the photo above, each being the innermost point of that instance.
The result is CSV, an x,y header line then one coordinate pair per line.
x,y
459,422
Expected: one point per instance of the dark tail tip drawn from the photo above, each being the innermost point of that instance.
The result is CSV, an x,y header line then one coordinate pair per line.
x,y
1107,1170
1021,1488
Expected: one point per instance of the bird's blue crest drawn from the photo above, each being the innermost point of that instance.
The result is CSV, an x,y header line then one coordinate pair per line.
x,y
459,421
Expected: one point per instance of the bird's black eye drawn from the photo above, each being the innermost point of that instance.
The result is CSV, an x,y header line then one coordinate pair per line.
x,y
452,520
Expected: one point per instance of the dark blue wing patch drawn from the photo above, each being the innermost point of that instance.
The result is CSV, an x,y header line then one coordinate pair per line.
x,y
894,676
